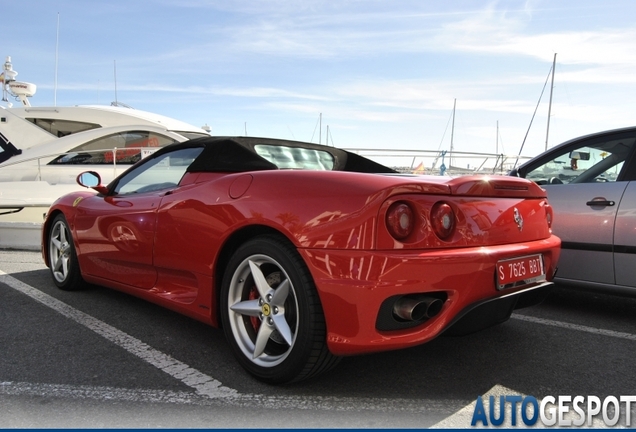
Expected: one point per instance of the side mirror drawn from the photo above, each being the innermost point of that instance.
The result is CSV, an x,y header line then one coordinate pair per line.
x,y
91,179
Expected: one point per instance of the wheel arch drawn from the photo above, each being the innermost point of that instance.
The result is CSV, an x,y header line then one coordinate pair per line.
x,y
46,227
231,244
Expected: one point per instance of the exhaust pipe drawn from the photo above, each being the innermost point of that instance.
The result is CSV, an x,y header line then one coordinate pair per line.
x,y
417,308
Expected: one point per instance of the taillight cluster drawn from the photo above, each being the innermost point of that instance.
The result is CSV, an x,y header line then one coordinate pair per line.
x,y
401,220
549,215
443,220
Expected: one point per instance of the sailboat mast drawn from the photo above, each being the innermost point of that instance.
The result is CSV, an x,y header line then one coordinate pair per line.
x,y
450,156
57,45
497,148
547,132
115,73
497,139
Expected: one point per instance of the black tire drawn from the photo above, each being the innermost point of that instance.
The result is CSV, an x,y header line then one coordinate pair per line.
x,y
271,313
63,262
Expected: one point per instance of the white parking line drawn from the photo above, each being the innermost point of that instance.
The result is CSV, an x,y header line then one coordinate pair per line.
x,y
569,326
208,390
243,400
202,383
101,393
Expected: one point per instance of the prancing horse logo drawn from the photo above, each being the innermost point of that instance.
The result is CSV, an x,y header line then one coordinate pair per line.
x,y
518,219
266,309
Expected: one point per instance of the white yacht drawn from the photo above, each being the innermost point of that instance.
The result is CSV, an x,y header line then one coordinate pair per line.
x,y
43,149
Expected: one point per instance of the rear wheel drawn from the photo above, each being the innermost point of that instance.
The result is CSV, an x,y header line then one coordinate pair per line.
x,y
62,257
271,313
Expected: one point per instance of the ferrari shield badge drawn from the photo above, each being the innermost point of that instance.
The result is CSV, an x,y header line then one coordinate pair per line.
x,y
518,219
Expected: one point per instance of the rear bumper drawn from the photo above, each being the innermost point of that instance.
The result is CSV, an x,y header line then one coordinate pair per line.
x,y
353,285
497,310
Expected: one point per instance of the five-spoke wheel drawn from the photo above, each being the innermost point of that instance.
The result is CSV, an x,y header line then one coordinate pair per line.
x,y
264,310
271,312
62,258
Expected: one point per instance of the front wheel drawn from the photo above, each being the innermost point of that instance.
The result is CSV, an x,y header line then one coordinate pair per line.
x,y
271,313
62,257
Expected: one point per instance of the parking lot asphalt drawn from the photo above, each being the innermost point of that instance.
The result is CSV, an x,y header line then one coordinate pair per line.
x,y
100,358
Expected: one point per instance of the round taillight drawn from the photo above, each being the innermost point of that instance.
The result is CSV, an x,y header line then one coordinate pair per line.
x,y
400,220
549,215
443,220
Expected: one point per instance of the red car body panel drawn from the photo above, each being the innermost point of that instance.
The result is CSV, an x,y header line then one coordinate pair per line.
x,y
167,246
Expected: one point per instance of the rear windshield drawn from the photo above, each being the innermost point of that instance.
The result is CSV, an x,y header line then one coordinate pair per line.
x,y
295,157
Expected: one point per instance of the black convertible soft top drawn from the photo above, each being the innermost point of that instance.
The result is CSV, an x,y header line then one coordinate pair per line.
x,y
238,154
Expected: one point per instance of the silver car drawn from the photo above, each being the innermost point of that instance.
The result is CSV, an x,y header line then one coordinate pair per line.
x,y
591,186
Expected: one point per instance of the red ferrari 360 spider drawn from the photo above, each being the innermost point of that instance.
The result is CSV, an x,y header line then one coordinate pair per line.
x,y
303,253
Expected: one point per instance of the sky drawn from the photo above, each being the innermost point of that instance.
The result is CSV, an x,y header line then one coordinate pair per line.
x,y
382,74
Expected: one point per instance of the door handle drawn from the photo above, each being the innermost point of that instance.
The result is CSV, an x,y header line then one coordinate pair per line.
x,y
600,203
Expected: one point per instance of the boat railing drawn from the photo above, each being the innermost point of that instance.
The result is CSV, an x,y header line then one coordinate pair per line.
x,y
428,162
447,163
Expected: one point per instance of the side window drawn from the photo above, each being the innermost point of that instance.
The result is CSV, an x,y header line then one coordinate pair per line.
x,y
159,173
61,128
123,148
590,162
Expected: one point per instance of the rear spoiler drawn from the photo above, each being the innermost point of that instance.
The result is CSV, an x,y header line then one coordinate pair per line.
x,y
495,186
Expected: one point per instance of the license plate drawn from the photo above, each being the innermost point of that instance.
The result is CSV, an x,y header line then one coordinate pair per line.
x,y
520,271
